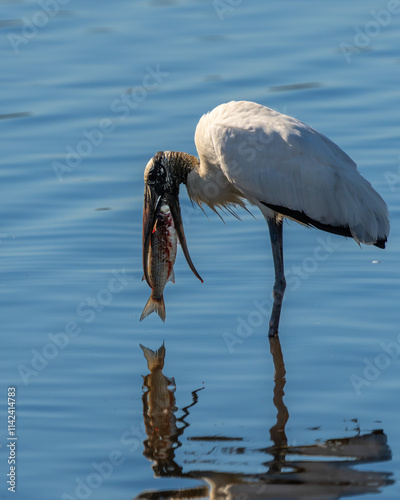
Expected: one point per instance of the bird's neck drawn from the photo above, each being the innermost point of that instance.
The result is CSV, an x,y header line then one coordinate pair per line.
x,y
204,185
183,164
208,184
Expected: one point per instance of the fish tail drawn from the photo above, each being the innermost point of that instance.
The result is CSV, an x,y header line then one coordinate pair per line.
x,y
156,305
155,359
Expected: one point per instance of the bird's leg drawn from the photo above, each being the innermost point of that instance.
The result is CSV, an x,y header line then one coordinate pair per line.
x,y
275,232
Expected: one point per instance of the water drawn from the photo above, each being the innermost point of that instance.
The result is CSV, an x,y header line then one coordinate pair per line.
x,y
87,99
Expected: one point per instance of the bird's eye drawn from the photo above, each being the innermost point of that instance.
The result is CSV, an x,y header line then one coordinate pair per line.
x,y
152,176
156,175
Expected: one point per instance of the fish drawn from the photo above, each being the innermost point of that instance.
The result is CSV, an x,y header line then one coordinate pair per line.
x,y
161,260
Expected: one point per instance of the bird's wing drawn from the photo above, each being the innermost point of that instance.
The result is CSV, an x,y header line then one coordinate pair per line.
x,y
279,161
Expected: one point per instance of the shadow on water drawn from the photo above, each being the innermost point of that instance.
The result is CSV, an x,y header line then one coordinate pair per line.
x,y
288,473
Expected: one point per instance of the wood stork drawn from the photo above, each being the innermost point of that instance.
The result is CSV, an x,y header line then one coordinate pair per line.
x,y
287,169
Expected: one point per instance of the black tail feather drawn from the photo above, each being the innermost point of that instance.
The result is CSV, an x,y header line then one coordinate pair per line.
x,y
305,219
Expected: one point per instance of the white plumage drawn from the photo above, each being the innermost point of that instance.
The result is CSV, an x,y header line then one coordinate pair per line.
x,y
269,157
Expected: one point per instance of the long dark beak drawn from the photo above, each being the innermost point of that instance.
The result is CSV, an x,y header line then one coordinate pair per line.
x,y
173,203
149,215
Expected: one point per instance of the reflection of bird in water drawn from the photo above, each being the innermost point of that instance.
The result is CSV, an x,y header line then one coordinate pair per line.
x,y
286,474
277,431
248,152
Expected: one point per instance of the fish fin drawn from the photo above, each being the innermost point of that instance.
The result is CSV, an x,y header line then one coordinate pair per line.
x,y
172,276
143,277
155,359
152,305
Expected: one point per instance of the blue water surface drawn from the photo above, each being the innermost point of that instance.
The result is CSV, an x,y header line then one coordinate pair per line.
x,y
90,91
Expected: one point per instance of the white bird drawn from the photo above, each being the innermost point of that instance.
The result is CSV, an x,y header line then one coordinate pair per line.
x,y
287,169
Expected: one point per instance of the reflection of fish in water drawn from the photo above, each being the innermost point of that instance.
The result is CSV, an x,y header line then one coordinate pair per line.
x,y
163,428
160,388
160,391
159,413
161,259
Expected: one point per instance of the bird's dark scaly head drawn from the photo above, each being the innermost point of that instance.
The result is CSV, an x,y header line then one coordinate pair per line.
x,y
162,176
